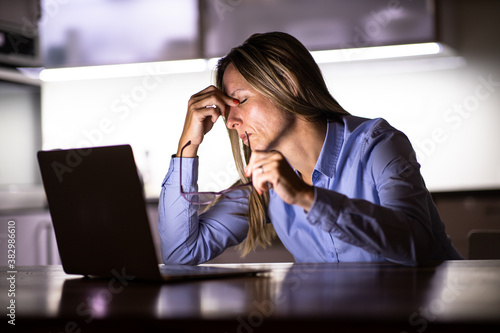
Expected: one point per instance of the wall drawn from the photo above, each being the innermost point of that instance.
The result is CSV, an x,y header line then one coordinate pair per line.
x,y
20,138
19,132
447,106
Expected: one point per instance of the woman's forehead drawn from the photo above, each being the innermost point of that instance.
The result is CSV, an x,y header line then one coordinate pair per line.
x,y
233,82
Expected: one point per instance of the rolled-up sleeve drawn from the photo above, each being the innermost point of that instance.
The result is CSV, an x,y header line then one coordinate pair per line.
x,y
188,237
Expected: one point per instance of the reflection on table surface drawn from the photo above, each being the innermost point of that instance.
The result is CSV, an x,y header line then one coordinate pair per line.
x,y
449,296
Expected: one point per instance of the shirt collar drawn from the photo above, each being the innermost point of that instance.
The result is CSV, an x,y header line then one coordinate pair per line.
x,y
327,161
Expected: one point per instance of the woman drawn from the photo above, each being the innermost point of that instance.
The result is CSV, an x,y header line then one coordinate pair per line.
x,y
332,186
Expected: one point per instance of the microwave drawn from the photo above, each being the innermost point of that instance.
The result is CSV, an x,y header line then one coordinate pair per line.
x,y
19,33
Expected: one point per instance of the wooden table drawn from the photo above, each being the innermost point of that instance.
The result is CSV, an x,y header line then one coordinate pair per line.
x,y
452,296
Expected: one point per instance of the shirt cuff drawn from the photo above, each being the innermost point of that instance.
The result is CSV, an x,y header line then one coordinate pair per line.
x,y
189,172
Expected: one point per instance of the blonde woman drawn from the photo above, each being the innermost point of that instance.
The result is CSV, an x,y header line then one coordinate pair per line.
x,y
333,187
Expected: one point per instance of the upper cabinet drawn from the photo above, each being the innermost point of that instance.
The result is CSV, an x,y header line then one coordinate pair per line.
x,y
97,32
319,24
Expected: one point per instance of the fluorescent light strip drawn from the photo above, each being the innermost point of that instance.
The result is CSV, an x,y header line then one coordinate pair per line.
x,y
376,52
200,65
123,70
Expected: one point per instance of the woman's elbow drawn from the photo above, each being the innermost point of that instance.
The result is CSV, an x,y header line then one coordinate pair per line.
x,y
177,257
420,252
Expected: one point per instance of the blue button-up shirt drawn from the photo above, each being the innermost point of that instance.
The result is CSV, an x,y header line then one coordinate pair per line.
x,y
371,204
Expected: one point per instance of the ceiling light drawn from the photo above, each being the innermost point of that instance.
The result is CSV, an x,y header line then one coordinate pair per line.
x,y
200,65
123,70
376,52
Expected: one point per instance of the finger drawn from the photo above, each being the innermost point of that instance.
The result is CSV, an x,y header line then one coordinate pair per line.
x,y
202,114
217,111
221,103
263,179
258,159
202,110
213,98
259,164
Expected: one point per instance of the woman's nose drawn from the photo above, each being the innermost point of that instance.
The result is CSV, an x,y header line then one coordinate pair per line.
x,y
233,118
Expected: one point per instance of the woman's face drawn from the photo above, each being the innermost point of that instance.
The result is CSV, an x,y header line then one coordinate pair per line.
x,y
267,125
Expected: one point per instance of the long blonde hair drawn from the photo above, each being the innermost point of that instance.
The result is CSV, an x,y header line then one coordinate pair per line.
x,y
279,67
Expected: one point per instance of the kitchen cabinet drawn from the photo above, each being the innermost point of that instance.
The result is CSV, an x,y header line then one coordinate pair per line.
x,y
35,242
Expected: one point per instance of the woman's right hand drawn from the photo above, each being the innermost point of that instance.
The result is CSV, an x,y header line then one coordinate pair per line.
x,y
201,117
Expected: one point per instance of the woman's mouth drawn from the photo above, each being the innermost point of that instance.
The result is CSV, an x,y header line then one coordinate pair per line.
x,y
245,137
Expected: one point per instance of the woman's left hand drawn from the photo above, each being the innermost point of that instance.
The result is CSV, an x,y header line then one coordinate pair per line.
x,y
269,169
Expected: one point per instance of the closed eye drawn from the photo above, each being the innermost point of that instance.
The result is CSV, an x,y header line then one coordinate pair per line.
x,y
243,101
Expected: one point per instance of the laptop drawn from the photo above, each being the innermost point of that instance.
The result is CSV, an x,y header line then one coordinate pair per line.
x,y
98,211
